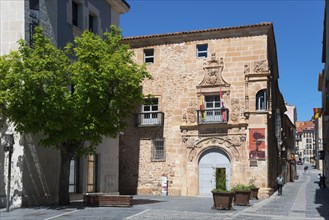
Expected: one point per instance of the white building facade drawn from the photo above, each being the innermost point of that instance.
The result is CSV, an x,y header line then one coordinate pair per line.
x,y
34,169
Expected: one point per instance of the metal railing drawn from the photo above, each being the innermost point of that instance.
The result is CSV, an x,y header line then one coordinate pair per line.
x,y
149,119
211,116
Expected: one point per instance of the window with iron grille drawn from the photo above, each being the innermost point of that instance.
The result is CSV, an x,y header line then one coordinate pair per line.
x,y
158,150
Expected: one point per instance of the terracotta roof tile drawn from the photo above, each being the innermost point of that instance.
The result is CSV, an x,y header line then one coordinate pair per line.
x,y
199,31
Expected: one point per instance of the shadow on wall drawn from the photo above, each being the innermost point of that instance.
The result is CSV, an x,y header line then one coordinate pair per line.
x,y
3,177
3,194
40,172
129,155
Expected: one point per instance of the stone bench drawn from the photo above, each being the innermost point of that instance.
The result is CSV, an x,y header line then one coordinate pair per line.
x,y
102,199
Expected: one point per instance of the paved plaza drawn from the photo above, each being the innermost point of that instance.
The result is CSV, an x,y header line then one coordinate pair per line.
x,y
301,199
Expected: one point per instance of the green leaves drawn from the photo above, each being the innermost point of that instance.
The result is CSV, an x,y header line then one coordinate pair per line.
x,y
79,99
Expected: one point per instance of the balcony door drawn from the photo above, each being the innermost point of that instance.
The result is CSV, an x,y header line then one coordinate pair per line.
x,y
213,108
150,112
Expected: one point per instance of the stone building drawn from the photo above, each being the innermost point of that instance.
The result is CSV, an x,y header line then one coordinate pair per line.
x,y
305,139
35,170
324,89
288,144
213,104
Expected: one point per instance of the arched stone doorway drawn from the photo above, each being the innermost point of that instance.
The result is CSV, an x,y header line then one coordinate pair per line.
x,y
208,162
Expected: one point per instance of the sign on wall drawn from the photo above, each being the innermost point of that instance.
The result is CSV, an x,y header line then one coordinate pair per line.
x,y
257,143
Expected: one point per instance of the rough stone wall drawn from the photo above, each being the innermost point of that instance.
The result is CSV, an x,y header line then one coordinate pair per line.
x,y
177,82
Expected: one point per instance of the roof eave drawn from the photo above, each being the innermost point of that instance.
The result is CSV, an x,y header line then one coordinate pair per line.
x,y
121,6
216,33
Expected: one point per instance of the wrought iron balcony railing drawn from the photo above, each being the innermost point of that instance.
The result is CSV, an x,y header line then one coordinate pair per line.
x,y
149,119
212,116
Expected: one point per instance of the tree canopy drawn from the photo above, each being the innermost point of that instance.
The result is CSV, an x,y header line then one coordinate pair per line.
x,y
73,95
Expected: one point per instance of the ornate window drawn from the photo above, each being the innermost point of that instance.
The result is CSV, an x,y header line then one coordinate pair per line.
x,y
261,100
212,107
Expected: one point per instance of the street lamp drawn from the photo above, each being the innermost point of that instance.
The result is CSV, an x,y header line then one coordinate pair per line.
x,y
8,146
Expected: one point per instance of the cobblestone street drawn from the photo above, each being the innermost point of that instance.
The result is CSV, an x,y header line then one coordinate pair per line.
x,y
301,199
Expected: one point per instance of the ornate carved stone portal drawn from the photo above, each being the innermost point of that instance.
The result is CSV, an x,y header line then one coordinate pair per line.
x,y
195,146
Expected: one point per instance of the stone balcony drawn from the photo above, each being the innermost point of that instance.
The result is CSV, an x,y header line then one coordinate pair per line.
x,y
152,119
213,116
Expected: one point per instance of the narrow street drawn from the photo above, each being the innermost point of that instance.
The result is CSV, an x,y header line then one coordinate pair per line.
x,y
301,199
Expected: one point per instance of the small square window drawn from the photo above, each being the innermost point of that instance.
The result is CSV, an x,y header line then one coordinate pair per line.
x,y
34,5
253,163
149,56
202,50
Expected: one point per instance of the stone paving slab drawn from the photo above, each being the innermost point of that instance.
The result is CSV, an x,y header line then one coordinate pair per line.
x,y
170,214
301,200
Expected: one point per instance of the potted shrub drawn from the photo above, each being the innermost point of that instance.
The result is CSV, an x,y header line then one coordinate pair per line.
x,y
242,194
222,198
253,188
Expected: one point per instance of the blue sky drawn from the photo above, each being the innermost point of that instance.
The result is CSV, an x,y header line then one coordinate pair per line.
x,y
298,28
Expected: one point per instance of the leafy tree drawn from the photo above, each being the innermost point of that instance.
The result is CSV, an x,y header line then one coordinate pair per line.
x,y
75,95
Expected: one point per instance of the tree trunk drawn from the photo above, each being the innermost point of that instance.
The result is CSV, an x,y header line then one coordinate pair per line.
x,y
64,175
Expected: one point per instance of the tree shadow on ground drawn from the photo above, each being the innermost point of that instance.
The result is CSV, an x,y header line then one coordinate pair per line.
x,y
73,205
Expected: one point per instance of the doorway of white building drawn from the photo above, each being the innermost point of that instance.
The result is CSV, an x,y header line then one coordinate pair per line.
x,y
209,161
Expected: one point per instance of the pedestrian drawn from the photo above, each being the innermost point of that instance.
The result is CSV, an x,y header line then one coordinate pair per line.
x,y
305,168
323,182
279,183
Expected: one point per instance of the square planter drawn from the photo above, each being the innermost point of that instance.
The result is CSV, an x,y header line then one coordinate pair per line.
x,y
254,193
242,197
223,200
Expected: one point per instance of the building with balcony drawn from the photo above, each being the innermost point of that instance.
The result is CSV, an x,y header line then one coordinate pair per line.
x,y
305,139
35,170
324,89
213,104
